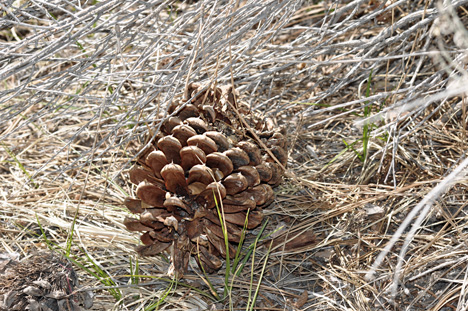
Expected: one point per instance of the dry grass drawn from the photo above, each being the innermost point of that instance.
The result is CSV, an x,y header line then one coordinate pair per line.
x,y
372,93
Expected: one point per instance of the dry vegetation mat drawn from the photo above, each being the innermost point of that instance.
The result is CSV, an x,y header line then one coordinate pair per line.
x,y
372,94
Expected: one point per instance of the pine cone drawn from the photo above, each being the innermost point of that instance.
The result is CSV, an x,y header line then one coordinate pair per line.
x,y
206,158
43,281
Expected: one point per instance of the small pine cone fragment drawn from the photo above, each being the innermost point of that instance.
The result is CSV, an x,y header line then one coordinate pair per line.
x,y
205,160
42,281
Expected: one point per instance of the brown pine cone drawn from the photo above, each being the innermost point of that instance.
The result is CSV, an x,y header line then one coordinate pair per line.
x,y
207,157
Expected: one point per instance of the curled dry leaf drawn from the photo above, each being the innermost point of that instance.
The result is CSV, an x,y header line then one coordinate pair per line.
x,y
204,161
301,300
290,241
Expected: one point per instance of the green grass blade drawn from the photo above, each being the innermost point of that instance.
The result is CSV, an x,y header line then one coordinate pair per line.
x,y
241,243
336,157
226,244
351,147
207,279
134,270
70,235
249,301
156,305
103,277
44,236
251,248
20,165
367,112
260,279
